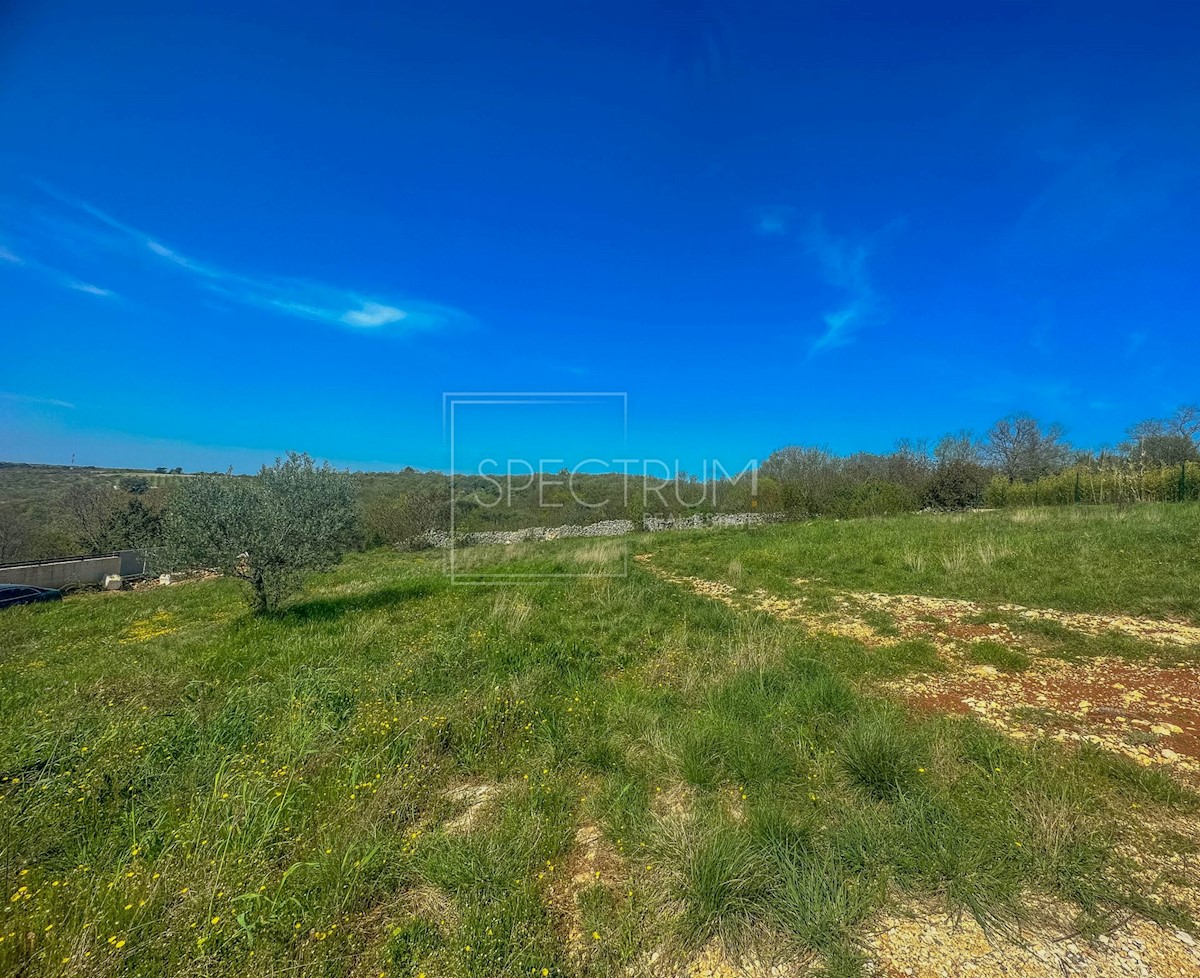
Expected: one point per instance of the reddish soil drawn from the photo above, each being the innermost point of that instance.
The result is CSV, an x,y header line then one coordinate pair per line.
x,y
1148,713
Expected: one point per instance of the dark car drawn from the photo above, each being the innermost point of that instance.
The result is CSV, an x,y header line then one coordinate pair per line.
x,y
14,594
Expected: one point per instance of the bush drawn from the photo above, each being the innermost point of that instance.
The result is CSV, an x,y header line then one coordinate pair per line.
x,y
269,530
138,526
135,484
399,519
956,485
872,498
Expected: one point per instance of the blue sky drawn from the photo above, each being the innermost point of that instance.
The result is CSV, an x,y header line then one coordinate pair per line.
x,y
231,230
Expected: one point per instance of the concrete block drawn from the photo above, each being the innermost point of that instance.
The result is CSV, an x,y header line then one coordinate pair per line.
x,y
112,582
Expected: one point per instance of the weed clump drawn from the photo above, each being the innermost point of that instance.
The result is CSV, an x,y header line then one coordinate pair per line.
x,y
883,756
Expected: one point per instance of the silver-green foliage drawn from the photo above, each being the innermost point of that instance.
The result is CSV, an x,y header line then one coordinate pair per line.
x,y
269,530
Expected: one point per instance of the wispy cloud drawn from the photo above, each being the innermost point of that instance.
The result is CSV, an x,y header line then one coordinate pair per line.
x,y
843,262
773,221
844,265
1096,196
52,274
89,288
88,229
32,399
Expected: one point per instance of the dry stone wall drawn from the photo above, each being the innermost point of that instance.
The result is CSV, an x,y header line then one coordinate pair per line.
x,y
604,528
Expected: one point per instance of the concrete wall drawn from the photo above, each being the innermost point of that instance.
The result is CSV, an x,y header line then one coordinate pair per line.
x,y
58,573
133,563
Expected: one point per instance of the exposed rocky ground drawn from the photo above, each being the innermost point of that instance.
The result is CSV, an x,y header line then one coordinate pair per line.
x,y
1149,714
934,945
1146,711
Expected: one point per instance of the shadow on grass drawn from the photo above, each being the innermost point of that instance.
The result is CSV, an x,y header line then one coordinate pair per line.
x,y
328,609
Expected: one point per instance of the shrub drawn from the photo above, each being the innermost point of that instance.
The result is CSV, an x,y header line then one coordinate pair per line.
x,y
875,498
135,484
400,519
956,485
1121,482
138,527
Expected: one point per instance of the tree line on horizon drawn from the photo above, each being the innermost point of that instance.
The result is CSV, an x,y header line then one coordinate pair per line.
x,y
961,470
1018,461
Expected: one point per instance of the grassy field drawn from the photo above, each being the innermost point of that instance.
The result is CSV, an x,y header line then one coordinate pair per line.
x,y
1137,560
583,776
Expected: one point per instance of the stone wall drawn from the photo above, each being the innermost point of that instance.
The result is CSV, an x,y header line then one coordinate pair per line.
x,y
604,528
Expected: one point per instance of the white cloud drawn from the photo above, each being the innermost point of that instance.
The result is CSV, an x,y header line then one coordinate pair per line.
x,y
53,274
32,399
89,288
176,258
300,298
773,221
367,315
843,264
373,314
839,326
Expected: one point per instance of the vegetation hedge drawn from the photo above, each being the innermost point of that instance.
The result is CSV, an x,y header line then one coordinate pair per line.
x,y
1115,484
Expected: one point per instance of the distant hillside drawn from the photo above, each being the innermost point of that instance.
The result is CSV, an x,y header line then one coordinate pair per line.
x,y
54,510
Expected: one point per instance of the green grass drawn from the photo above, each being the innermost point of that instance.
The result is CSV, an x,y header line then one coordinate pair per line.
x,y
1142,560
189,790
999,656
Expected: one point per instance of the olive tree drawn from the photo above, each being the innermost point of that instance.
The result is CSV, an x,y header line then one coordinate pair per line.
x,y
269,530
